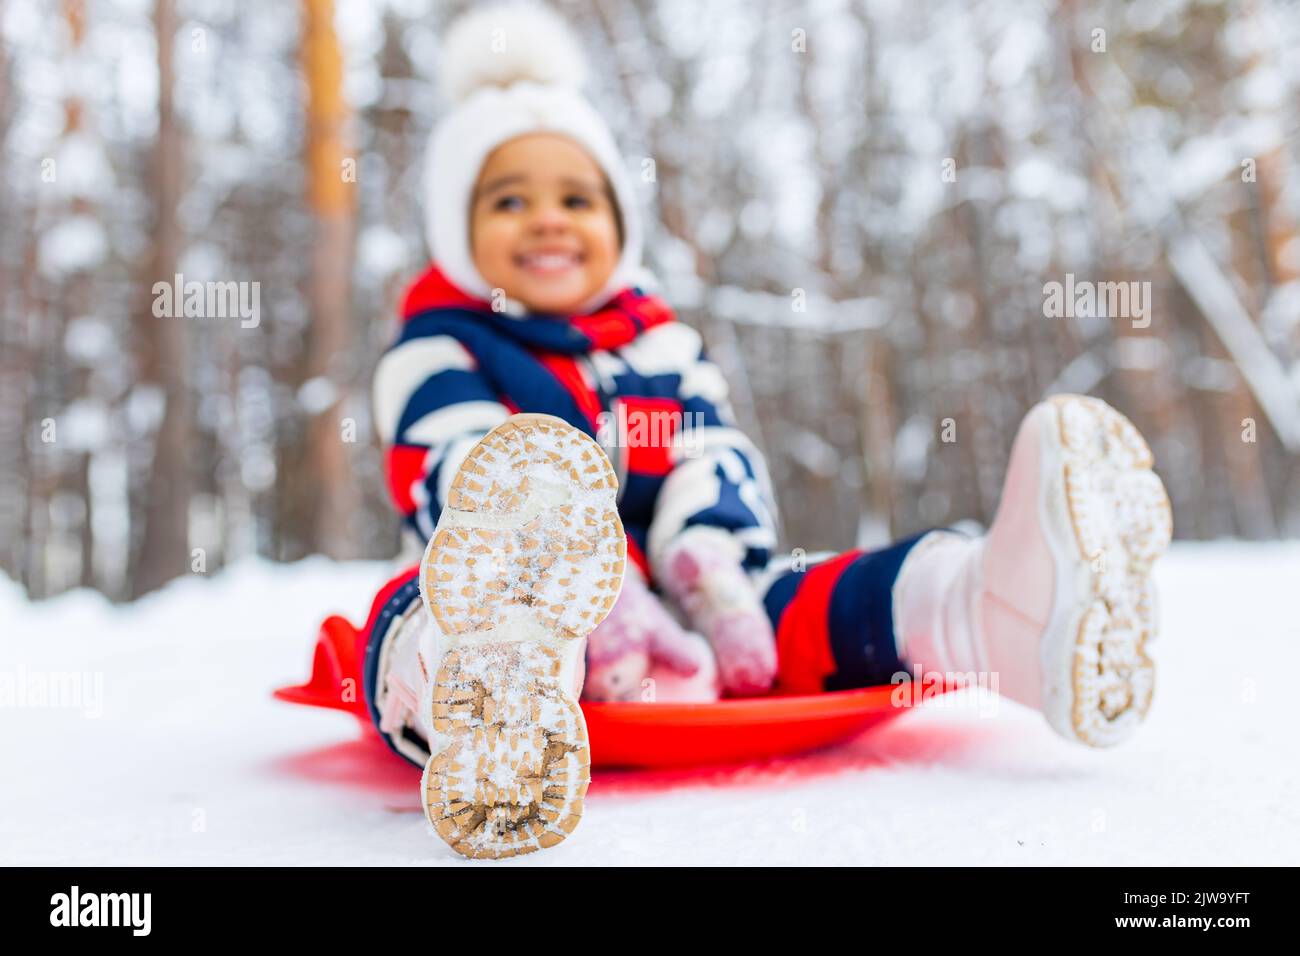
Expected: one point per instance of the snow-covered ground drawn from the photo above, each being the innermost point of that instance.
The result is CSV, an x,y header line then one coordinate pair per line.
x,y
175,752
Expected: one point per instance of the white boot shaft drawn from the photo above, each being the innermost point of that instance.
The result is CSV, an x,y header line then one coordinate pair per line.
x,y
936,624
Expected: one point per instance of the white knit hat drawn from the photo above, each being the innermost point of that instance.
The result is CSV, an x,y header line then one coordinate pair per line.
x,y
511,69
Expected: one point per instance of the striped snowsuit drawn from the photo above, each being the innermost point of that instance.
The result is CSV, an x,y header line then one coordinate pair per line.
x,y
458,368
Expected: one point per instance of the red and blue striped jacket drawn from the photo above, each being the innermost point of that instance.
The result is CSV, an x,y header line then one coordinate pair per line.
x,y
458,368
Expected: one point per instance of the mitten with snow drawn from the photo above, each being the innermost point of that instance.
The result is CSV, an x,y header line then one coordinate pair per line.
x,y
638,634
709,584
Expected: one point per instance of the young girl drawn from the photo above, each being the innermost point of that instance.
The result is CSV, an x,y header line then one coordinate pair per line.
x,y
530,352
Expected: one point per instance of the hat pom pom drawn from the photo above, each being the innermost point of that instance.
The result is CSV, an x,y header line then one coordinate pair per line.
x,y
505,43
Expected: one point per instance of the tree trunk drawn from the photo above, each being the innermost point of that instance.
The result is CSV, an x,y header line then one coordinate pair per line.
x,y
164,550
332,490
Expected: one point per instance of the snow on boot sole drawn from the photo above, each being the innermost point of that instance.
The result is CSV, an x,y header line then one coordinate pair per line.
x,y
1108,519
527,559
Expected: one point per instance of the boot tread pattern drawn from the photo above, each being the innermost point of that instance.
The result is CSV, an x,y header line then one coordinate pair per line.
x,y
532,561
1122,522
563,564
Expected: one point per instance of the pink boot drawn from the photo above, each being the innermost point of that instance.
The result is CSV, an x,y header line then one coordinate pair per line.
x,y
1056,601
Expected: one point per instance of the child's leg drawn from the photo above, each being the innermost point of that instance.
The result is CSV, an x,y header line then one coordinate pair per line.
x,y
392,698
834,620
1055,603
474,662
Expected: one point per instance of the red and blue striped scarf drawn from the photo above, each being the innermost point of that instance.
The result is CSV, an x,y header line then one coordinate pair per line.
x,y
626,315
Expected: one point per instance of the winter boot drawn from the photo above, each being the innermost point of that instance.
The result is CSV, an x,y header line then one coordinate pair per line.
x,y
1056,601
528,557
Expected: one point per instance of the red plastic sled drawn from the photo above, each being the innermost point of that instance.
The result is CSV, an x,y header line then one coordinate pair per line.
x,y
648,735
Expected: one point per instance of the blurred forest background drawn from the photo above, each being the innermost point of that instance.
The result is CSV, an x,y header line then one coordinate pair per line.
x,y
859,202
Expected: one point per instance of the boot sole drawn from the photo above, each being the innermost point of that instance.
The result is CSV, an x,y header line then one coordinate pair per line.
x,y
527,559
1110,519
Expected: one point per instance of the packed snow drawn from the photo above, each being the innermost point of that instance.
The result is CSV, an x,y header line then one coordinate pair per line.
x,y
170,749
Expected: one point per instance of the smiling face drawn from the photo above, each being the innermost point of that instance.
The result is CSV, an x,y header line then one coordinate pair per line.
x,y
543,225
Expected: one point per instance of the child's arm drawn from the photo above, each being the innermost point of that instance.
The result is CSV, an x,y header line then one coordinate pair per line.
x,y
715,521
431,405
718,489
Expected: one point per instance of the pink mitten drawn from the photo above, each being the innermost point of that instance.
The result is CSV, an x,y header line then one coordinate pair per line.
x,y
702,687
637,633
719,601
